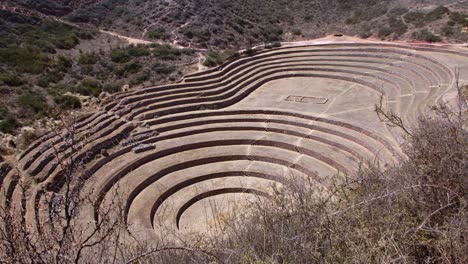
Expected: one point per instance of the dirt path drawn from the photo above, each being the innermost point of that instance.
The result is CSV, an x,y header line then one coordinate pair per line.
x,y
201,59
130,40
176,38
456,3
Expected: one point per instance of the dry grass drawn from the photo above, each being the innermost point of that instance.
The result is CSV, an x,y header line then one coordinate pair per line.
x,y
413,213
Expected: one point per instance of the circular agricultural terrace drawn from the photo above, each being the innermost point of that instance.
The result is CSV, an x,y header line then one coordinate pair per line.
x,y
221,137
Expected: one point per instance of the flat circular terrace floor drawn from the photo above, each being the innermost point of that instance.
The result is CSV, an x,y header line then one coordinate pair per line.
x,y
185,156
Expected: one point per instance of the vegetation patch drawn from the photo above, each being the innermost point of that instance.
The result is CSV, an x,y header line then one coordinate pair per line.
x,y
89,87
88,59
420,19
11,79
213,58
163,68
167,52
8,122
426,35
67,102
33,102
158,33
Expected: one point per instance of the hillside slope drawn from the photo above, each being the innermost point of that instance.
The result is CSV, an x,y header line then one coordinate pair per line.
x,y
227,23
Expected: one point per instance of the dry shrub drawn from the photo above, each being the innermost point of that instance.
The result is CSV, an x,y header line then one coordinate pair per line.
x,y
413,213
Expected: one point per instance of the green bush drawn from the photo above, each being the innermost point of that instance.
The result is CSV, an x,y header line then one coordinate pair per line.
x,y
57,90
188,33
43,81
67,102
89,87
8,122
384,32
33,102
67,42
112,87
11,79
458,18
157,34
50,77
231,54
213,58
166,52
120,56
123,55
426,35
87,69
138,50
139,78
62,63
88,59
272,32
27,59
128,68
44,45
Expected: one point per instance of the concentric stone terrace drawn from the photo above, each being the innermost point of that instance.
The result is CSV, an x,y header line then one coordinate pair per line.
x,y
220,137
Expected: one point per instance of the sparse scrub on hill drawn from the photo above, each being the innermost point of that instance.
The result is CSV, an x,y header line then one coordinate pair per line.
x,y
213,58
398,11
27,60
119,56
140,78
167,52
459,18
89,87
158,33
415,18
50,77
436,13
8,122
227,23
33,102
43,54
163,68
128,68
426,35
272,32
397,26
296,32
11,79
419,19
384,32
67,102
88,59
367,14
